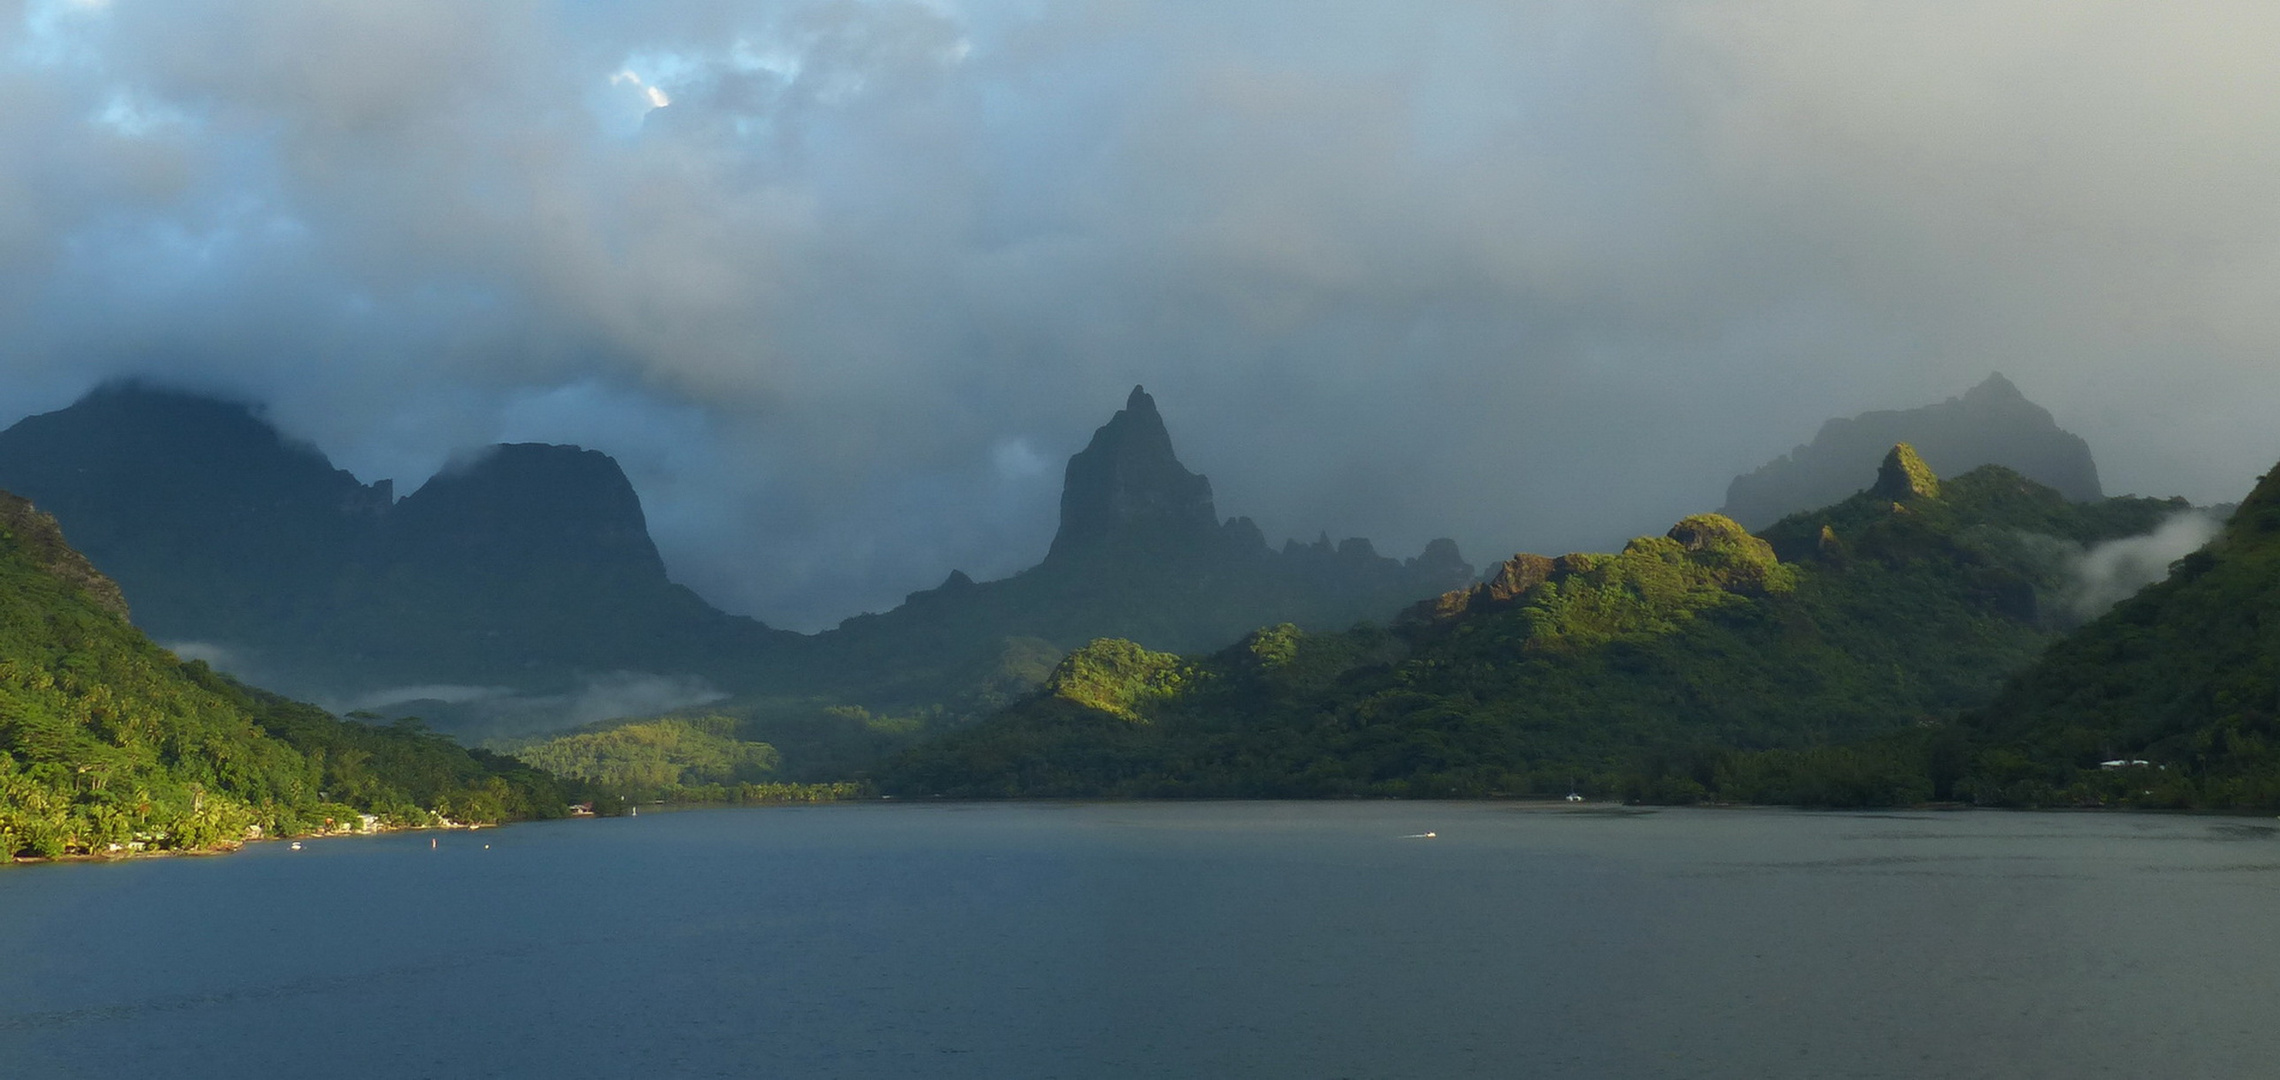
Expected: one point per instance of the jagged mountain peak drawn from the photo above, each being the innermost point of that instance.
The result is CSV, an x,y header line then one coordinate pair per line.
x,y
1127,488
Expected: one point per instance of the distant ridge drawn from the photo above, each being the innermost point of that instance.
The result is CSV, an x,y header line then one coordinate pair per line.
x,y
1141,553
1992,424
1652,673
525,572
517,570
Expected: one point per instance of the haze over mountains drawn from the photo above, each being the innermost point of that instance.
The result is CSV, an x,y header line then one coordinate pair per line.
x,y
519,568
1141,553
2183,672
527,570
1847,654
1992,424
1901,605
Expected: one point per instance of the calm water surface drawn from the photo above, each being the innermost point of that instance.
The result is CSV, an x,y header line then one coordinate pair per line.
x,y
1209,940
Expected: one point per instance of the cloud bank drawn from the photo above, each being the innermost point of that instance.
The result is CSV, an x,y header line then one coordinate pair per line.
x,y
843,281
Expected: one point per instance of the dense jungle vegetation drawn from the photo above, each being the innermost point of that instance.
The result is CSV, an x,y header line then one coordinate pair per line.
x,y
109,744
674,759
1835,660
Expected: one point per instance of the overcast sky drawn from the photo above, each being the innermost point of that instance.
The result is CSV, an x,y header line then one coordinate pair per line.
x,y
843,283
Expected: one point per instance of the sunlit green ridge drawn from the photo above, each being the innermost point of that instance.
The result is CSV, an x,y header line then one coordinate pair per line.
x,y
109,744
1904,604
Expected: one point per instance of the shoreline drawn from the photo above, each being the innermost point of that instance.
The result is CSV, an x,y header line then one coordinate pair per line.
x,y
1543,804
239,845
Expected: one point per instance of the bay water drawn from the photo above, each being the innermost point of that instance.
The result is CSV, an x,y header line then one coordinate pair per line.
x,y
1169,940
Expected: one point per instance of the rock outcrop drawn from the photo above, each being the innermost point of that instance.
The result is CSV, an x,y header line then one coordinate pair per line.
x,y
1737,561
1903,475
1127,489
1142,555
40,541
1993,424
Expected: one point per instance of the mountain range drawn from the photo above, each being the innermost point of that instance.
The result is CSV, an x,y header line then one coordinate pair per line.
x,y
1921,638
1906,603
1141,553
1991,424
523,573
519,566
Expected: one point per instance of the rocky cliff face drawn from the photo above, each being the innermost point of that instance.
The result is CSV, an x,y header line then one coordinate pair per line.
x,y
529,507
530,566
1141,555
40,543
1904,475
1993,424
1127,489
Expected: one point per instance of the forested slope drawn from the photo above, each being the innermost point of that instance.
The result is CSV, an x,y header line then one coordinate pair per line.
x,y
1628,672
2184,677
108,743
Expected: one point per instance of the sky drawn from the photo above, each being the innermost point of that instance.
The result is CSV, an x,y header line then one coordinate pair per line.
x,y
842,283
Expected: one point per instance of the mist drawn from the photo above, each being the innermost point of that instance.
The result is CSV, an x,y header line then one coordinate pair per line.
x,y
495,711
843,283
501,712
2109,573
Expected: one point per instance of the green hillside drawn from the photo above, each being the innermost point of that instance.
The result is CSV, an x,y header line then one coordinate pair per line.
x,y
529,568
110,744
2184,676
675,759
1628,672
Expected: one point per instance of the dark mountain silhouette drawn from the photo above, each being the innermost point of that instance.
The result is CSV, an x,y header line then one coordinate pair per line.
x,y
1126,490
528,569
521,568
535,560
1992,424
220,529
1142,554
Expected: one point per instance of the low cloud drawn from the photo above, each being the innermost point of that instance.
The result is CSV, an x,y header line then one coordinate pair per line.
x,y
395,696
626,693
2109,573
498,709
